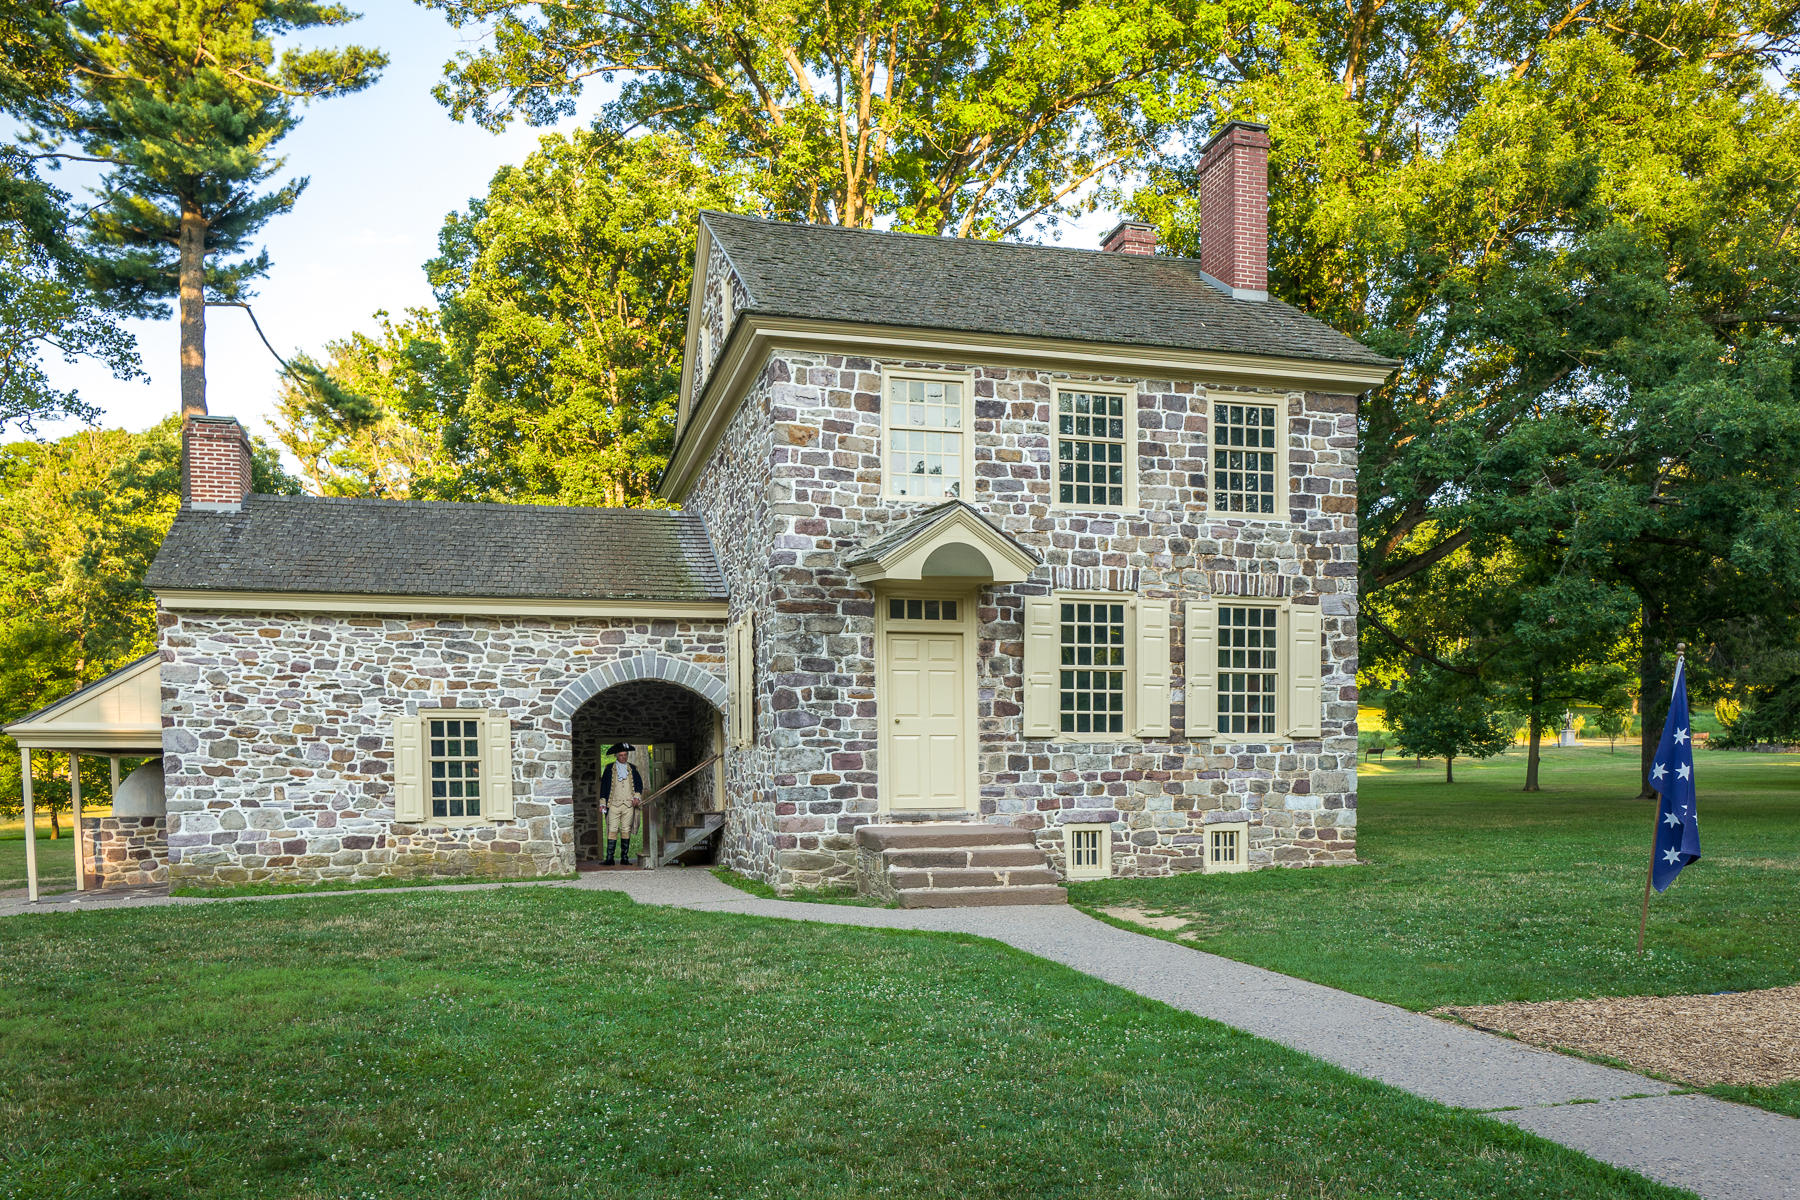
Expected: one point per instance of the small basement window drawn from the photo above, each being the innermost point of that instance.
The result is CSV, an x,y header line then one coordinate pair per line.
x,y
1228,847
1089,851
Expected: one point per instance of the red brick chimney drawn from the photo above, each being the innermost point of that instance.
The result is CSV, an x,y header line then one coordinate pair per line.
x,y
1234,209
1131,237
215,464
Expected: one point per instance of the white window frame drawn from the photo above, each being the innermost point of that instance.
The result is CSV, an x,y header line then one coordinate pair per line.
x,y
1242,860
966,380
1284,483
1101,870
1300,670
1129,391
1283,669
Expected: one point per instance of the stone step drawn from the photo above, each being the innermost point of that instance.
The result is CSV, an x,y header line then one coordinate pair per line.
x,y
982,897
964,856
936,835
969,877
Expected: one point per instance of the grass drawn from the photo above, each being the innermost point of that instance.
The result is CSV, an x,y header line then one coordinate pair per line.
x,y
227,891
846,894
1477,893
541,1042
1782,1098
55,859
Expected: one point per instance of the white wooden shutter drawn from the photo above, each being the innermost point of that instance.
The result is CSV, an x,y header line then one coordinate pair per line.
x,y
1043,645
496,766
409,769
743,681
1202,668
1305,671
1150,663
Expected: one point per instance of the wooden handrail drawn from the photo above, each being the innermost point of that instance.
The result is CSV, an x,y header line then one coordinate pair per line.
x,y
682,778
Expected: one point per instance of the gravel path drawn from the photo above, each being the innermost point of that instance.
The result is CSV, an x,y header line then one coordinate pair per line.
x,y
1718,1150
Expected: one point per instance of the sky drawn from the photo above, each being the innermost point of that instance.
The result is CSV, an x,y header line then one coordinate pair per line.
x,y
385,165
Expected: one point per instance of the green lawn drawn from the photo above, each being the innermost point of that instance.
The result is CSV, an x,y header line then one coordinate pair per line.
x,y
1477,893
540,1042
56,859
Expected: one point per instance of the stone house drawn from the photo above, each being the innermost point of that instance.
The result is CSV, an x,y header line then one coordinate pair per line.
x,y
994,564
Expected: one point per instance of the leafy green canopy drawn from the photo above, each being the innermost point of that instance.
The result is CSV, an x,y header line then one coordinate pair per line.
x,y
80,521
187,100
46,306
550,369
972,117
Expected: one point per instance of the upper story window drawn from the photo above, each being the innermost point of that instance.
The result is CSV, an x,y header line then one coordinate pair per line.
x,y
1094,436
1249,450
925,426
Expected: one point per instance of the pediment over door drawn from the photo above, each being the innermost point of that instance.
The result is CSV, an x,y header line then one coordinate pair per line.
x,y
948,542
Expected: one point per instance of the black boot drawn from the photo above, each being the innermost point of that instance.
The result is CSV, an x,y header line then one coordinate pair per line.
x,y
624,852
610,846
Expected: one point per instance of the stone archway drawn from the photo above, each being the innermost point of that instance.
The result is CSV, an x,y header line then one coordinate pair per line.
x,y
647,665
650,700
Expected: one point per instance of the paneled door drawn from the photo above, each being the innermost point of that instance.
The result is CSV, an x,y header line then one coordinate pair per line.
x,y
926,767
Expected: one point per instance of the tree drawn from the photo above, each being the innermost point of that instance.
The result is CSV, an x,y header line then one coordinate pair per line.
x,y
82,518
1612,724
364,436
1442,714
1578,232
974,118
186,100
46,306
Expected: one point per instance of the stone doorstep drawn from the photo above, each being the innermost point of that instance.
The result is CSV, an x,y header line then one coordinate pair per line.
x,y
964,856
940,836
970,877
983,897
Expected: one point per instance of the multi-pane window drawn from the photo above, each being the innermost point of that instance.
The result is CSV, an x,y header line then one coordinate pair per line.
x,y
1244,458
1093,667
454,754
925,438
1084,851
1090,449
1247,670
1225,848
914,609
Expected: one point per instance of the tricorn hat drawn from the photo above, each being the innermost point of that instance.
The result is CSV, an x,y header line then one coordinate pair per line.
x,y
614,749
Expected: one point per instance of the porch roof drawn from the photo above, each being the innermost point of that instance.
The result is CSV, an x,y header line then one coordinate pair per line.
x,y
120,713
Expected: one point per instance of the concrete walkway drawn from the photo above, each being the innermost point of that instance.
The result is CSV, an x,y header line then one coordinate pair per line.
x,y
1718,1150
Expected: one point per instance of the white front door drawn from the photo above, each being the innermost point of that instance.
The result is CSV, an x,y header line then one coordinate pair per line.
x,y
926,768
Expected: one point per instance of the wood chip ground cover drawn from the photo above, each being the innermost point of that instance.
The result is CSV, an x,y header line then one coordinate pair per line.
x,y
1749,1038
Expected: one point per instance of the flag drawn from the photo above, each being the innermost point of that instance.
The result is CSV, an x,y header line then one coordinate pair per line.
x,y
1672,775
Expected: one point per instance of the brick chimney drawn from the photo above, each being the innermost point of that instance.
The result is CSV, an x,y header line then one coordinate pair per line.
x,y
1131,237
1234,209
215,464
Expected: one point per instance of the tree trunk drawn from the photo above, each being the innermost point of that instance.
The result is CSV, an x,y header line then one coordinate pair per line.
x,y
192,247
1537,734
1652,703
1449,772
55,826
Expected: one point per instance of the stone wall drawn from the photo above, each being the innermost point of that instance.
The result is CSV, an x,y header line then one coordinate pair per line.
x,y
732,494
125,851
278,735
817,636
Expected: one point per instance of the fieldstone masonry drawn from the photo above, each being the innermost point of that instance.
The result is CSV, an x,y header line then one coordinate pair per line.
x,y
278,734
810,780
125,851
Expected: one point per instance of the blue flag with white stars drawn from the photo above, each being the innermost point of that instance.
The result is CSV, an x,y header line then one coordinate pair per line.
x,y
1672,774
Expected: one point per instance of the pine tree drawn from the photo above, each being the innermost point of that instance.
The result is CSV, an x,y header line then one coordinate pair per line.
x,y
188,100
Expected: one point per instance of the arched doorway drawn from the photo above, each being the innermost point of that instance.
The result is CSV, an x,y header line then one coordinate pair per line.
x,y
676,728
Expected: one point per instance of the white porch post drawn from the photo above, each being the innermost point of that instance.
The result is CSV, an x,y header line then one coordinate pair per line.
x,y
75,809
115,774
30,826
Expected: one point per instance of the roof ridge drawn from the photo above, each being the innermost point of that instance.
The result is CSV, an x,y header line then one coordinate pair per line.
x,y
463,505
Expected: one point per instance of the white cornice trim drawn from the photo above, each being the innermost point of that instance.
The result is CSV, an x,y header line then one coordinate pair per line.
x,y
110,739
705,419
696,298
211,601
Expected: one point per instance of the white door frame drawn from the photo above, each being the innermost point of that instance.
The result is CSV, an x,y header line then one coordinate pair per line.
x,y
966,598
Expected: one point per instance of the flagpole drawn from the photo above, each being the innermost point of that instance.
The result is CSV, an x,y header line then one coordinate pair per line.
x,y
1656,817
